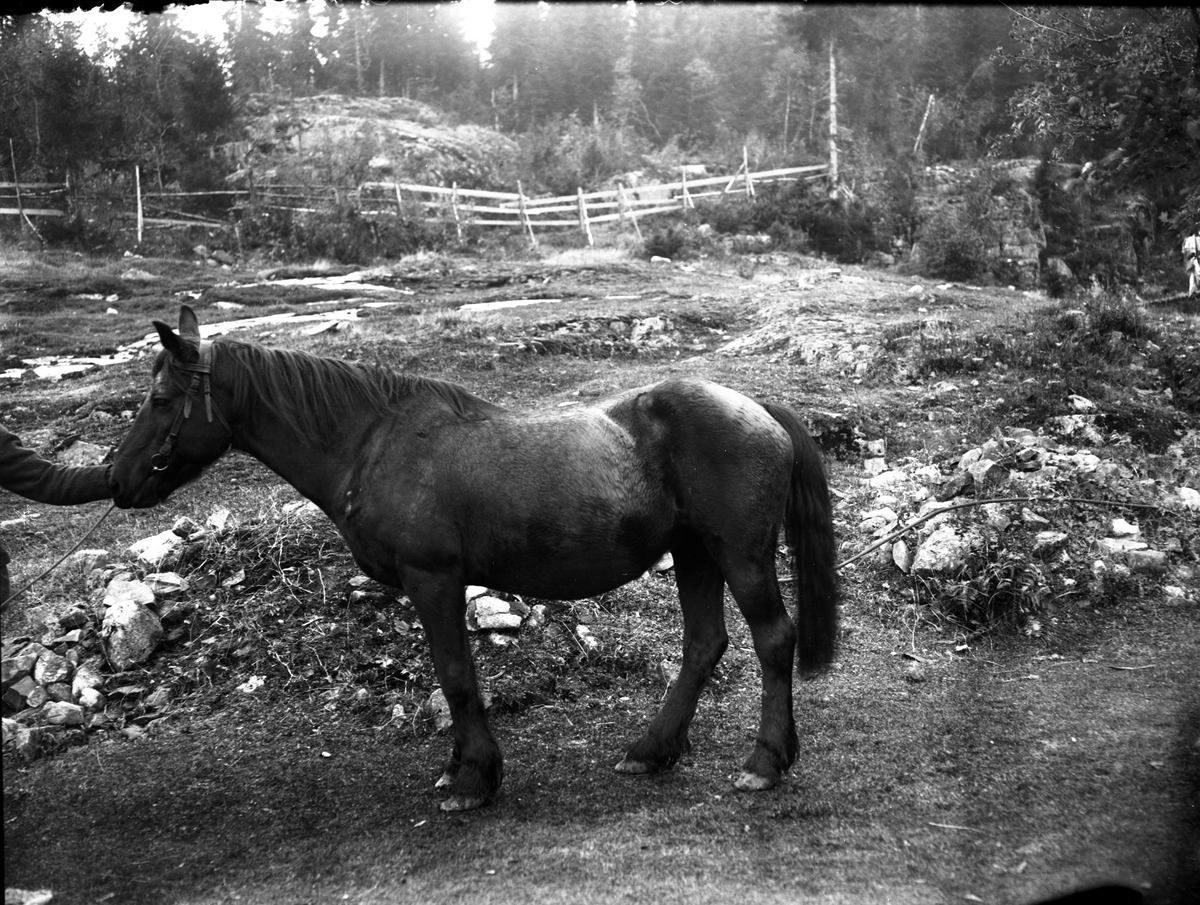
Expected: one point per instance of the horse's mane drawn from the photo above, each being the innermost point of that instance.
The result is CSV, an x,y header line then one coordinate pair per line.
x,y
315,392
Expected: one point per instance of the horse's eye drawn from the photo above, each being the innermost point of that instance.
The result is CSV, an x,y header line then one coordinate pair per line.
x,y
160,402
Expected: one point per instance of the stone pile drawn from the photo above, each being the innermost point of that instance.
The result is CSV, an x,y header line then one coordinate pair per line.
x,y
70,678
1016,463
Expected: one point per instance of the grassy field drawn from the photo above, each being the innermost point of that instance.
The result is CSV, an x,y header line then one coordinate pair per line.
x,y
942,760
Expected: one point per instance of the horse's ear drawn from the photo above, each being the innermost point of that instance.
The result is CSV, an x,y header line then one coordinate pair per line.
x,y
184,345
189,324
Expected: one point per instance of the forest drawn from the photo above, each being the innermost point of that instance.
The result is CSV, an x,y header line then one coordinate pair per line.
x,y
1114,89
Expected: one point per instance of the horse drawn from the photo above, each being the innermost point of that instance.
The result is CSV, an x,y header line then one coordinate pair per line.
x,y
434,488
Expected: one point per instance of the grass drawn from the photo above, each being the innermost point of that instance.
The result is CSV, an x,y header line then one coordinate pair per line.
x,y
1007,767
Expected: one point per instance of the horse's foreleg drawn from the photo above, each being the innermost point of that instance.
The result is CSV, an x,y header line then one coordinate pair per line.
x,y
701,596
475,769
756,590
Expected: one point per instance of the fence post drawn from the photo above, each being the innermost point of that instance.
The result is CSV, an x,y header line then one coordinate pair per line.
x,y
137,186
524,215
623,204
454,210
584,224
746,167
687,199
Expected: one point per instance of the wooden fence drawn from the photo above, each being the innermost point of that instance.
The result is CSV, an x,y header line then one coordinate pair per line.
x,y
462,207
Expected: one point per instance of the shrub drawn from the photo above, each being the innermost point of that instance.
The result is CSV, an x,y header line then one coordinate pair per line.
x,y
952,247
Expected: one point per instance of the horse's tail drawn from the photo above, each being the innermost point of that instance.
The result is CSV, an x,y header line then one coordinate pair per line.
x,y
808,527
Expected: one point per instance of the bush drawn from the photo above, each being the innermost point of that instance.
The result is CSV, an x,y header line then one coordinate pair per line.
x,y
952,247
342,234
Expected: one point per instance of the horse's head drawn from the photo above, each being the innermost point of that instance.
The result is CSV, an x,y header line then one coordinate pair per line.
x,y
180,427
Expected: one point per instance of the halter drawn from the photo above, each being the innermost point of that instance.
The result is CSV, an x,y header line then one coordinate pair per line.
x,y
201,380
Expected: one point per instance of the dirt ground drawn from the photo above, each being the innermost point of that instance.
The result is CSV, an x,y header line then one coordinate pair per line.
x,y
938,764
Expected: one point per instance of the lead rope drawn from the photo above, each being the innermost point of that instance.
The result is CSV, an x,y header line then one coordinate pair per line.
x,y
78,544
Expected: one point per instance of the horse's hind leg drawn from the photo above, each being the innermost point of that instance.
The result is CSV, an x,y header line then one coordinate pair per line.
x,y
475,769
755,587
701,596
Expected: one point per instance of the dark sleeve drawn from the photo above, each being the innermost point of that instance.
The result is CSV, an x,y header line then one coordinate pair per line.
x,y
26,473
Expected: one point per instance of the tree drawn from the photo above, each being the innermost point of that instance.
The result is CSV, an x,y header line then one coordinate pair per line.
x,y
1120,86
52,98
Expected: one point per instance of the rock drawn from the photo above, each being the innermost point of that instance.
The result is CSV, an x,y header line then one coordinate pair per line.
x,y
915,673
161,697
587,639
75,618
123,589
175,612
19,691
129,634
665,564
19,664
944,552
1047,543
59,713
1190,498
1081,404
877,519
876,465
24,742
1151,562
1119,547
902,556
166,584
995,516
158,550
986,473
1033,520
475,590
439,709
494,614
667,672
82,453
957,484
52,668
59,691
220,521
86,676
537,616
1122,528
86,560
184,527
91,699
970,457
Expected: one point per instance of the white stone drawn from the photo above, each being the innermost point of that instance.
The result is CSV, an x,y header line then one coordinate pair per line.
x,y
130,633
220,521
1122,528
91,699
1190,497
1048,542
125,589
902,556
166,584
944,552
494,614
59,713
158,550
875,465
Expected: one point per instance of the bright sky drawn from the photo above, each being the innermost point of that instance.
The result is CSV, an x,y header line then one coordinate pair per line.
x,y
204,19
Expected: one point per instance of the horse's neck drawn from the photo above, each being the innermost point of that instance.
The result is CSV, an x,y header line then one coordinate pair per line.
x,y
311,462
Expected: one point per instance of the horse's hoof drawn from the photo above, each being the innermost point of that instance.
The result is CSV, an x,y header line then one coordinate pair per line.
x,y
463,803
753,782
444,780
634,767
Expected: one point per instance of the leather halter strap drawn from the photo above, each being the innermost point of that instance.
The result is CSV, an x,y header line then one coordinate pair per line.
x,y
200,382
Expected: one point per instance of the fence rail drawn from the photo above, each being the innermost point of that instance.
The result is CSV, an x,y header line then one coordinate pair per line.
x,y
460,206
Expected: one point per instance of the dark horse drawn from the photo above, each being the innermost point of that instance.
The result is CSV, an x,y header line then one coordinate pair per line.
x,y
434,488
